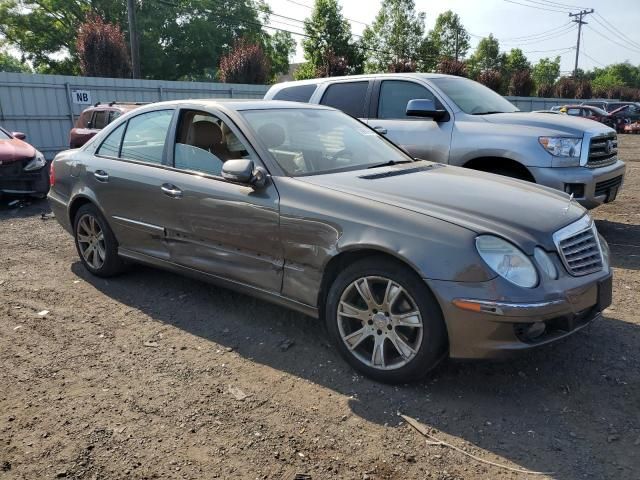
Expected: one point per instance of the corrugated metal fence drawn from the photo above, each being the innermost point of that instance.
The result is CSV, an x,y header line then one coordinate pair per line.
x,y
42,106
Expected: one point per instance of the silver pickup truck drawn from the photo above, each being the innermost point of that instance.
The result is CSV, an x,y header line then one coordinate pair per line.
x,y
461,122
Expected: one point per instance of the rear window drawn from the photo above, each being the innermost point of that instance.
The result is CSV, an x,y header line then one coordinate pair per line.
x,y
298,93
347,96
100,119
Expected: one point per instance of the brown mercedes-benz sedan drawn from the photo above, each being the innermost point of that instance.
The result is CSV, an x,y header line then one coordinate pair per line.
x,y
406,260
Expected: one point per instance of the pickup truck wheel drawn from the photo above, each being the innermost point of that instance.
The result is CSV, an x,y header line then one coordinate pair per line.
x,y
385,321
96,243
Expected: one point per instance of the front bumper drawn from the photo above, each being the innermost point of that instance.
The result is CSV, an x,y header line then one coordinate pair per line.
x,y
502,327
15,181
600,185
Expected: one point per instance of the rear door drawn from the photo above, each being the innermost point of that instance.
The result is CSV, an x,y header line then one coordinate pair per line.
x,y
422,138
352,97
127,174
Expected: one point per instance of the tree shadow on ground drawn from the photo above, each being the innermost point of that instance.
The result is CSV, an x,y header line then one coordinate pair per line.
x,y
624,241
571,408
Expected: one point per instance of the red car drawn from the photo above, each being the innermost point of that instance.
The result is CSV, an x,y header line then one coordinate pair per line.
x,y
23,169
95,118
590,112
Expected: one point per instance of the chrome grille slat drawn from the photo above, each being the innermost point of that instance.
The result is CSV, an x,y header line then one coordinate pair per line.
x,y
603,150
579,247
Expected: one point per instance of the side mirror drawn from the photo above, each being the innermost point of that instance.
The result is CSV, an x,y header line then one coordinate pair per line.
x,y
243,171
422,107
19,135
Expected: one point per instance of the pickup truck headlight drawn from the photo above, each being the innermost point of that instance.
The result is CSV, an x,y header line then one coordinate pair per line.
x,y
507,260
36,162
565,148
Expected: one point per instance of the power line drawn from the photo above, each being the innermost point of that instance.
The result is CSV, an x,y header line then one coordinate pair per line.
x,y
614,41
616,31
311,8
561,5
536,7
592,59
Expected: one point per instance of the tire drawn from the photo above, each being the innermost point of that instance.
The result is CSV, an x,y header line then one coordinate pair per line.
x,y
347,314
103,260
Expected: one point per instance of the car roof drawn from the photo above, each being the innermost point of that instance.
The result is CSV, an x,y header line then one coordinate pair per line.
x,y
239,104
416,75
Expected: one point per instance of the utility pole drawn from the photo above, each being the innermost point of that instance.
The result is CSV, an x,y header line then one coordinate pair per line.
x,y
457,43
577,18
133,38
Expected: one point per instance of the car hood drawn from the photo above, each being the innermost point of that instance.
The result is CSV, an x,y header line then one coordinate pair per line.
x,y
525,213
13,150
563,124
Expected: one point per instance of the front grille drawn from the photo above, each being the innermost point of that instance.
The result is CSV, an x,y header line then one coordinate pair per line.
x,y
603,150
579,247
602,188
11,169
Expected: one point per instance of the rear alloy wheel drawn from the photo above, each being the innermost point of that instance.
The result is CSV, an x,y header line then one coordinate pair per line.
x,y
96,243
386,322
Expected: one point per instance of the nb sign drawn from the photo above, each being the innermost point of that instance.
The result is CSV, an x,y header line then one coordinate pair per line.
x,y
81,97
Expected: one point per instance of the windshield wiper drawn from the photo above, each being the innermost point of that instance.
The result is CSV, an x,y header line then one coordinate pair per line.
x,y
390,163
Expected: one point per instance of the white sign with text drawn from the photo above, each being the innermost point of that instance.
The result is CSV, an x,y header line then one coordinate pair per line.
x,y
81,97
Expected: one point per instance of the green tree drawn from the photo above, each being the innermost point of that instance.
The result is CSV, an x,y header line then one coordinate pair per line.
x,y
395,37
279,48
329,38
9,63
515,61
546,71
179,39
449,36
486,57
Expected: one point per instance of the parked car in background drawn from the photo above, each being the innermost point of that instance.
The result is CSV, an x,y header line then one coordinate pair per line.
x,y
604,105
631,110
470,125
23,169
407,261
95,118
589,112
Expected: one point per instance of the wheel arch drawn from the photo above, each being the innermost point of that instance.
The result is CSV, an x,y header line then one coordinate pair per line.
x,y
348,256
491,164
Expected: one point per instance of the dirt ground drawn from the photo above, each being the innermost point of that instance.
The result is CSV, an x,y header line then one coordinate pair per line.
x,y
151,375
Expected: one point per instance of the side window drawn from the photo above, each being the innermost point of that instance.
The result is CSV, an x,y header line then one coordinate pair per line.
x,y
113,115
204,142
145,136
573,111
298,93
100,119
395,94
111,145
347,96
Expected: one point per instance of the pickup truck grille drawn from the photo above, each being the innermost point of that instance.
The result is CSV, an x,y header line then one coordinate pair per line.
x,y
603,150
579,248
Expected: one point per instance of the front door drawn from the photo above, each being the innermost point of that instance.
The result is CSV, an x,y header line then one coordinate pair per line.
x,y
213,225
422,138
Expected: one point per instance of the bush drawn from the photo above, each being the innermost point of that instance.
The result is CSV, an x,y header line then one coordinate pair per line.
x,y
333,65
491,79
565,88
450,66
520,83
402,66
599,92
246,63
101,49
614,92
583,89
544,90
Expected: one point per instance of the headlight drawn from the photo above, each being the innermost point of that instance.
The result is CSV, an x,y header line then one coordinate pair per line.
x,y
545,263
507,260
36,162
566,150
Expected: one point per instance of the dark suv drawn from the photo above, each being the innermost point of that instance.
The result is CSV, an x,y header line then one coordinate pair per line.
x,y
95,118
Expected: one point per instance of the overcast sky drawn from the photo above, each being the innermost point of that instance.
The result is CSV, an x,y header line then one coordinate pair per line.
x,y
540,29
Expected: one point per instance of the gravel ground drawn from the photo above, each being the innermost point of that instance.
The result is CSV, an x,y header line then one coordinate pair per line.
x,y
151,375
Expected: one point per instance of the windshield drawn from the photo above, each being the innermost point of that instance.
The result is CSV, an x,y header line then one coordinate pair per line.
x,y
599,111
4,135
473,97
313,141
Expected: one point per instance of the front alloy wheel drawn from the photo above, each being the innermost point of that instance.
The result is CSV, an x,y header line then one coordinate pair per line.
x,y
380,322
385,321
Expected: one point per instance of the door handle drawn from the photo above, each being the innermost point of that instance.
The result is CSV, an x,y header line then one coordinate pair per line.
x,y
171,190
381,130
101,175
